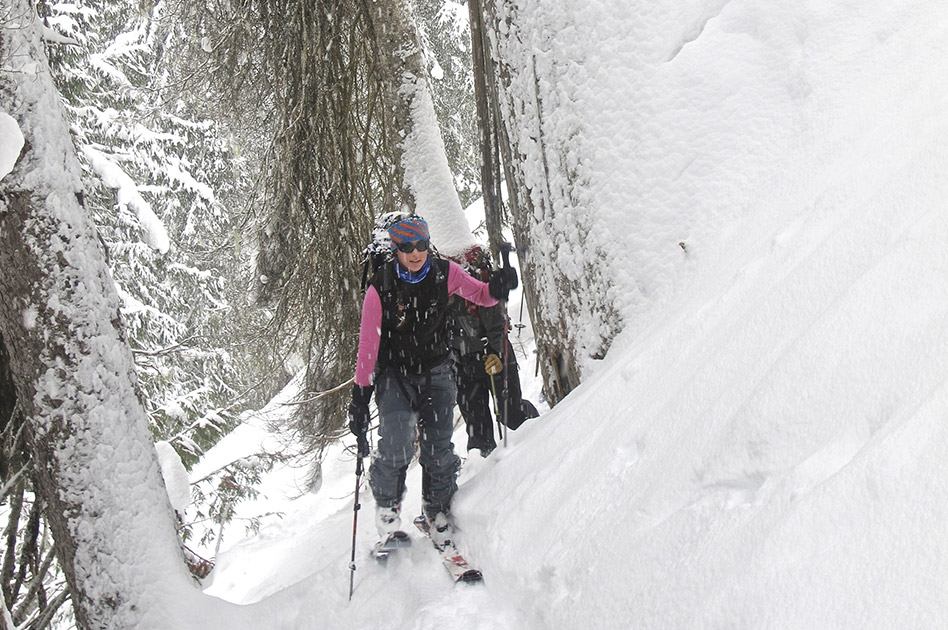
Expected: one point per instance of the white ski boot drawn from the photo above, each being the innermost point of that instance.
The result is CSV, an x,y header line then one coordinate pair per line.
x,y
388,520
442,530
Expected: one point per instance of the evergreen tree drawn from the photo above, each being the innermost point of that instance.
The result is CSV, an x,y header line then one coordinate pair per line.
x,y
154,180
157,181
93,464
305,107
332,156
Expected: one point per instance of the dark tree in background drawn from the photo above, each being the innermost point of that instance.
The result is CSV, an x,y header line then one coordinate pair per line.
x,y
305,103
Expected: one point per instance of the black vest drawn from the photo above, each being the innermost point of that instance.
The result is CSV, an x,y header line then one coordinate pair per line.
x,y
414,335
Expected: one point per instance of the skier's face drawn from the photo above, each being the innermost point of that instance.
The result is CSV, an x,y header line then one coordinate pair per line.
x,y
414,260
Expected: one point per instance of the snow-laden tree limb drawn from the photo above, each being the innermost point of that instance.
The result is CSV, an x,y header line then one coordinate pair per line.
x,y
52,37
426,180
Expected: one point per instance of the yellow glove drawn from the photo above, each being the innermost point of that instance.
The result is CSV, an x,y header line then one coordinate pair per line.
x,y
493,364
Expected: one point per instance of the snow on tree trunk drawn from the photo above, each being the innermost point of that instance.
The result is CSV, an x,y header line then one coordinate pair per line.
x,y
94,462
488,125
427,183
566,272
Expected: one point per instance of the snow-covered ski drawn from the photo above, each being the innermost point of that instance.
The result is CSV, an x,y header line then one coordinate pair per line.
x,y
453,561
384,548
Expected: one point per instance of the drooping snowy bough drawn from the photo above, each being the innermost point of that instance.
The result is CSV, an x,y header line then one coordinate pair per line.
x,y
427,186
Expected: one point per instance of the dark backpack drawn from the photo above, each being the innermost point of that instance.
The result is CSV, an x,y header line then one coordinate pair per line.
x,y
414,316
379,250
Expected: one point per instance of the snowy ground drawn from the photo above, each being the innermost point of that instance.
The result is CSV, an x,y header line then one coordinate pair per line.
x,y
765,444
777,445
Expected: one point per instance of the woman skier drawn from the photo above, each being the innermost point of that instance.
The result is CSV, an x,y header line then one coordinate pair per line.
x,y
404,357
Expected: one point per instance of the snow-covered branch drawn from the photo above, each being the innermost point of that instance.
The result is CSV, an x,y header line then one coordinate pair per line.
x,y
127,195
178,347
9,485
52,37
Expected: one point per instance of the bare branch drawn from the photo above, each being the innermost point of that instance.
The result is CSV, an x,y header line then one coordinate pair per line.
x,y
320,395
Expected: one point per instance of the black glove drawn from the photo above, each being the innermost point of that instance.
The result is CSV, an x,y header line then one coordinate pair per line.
x,y
359,417
502,282
512,280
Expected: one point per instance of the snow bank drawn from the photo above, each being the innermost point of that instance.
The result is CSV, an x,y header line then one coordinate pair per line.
x,y
764,433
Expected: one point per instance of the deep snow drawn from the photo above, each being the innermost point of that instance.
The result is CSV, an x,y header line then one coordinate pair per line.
x,y
764,445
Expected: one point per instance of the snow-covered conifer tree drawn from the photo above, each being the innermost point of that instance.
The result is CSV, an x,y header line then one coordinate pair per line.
x,y
93,460
154,177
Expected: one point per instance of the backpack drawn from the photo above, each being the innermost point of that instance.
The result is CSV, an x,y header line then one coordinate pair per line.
x,y
476,262
379,250
378,269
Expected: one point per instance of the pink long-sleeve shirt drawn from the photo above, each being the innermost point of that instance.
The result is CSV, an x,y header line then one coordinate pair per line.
x,y
370,331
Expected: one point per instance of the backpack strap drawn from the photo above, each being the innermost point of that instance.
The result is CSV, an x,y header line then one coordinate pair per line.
x,y
383,277
365,274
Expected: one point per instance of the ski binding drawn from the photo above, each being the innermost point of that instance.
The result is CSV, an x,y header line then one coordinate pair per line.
x,y
384,548
453,561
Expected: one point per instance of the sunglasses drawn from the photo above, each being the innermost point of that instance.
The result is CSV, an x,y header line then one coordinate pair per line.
x,y
410,246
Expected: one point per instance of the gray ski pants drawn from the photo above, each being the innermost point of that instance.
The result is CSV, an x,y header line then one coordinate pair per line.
x,y
396,447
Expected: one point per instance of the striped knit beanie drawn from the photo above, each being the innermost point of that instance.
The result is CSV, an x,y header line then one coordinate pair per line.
x,y
408,230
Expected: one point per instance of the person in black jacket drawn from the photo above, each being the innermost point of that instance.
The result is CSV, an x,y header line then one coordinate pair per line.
x,y
486,363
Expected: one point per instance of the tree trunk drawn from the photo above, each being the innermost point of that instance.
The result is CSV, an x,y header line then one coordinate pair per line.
x,y
94,463
488,126
9,420
565,281
427,184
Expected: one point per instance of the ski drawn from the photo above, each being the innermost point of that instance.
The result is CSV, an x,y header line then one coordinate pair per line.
x,y
452,559
384,548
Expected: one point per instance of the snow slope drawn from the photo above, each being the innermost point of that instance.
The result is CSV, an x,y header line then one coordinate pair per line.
x,y
764,445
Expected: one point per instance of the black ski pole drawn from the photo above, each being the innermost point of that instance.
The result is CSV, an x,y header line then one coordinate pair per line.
x,y
500,426
505,255
506,388
355,521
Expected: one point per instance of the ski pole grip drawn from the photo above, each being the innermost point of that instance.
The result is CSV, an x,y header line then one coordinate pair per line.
x,y
505,253
510,274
